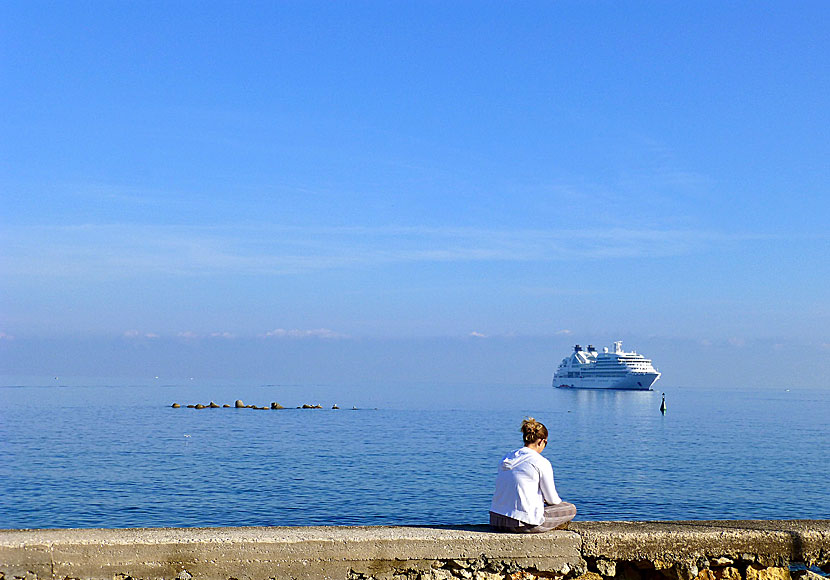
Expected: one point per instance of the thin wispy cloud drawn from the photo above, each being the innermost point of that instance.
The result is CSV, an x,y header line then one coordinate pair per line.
x,y
185,334
138,334
129,250
188,334
298,333
227,335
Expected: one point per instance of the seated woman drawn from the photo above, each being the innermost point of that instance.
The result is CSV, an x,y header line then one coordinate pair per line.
x,y
525,500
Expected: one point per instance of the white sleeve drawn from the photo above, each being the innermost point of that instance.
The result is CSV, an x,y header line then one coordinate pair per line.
x,y
546,483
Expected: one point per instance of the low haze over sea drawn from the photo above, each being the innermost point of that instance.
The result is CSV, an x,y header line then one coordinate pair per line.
x,y
117,455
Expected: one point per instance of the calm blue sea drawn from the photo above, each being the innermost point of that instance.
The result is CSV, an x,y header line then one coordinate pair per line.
x,y
119,456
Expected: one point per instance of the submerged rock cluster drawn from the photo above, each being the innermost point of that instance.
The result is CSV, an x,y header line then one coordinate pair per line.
x,y
238,404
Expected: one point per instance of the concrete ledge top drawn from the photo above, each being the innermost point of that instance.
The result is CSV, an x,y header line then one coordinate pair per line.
x,y
586,530
292,534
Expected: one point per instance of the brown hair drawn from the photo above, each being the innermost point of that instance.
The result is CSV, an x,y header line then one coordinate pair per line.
x,y
533,430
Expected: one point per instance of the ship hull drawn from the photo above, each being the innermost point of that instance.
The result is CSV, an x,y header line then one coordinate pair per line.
x,y
631,382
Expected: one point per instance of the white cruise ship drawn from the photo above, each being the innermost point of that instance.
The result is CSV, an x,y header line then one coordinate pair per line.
x,y
617,369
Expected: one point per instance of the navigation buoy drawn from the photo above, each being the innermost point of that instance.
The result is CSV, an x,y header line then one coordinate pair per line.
x,y
663,404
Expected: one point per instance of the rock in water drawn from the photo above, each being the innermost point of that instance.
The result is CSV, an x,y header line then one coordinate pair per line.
x,y
213,405
239,404
276,406
200,406
176,406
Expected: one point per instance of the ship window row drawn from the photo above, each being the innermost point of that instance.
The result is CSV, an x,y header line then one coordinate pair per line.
x,y
583,375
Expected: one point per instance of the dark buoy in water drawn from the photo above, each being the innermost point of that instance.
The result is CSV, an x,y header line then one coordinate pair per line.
x,y
663,404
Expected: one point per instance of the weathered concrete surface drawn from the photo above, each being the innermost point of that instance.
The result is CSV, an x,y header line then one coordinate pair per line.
x,y
263,553
719,550
767,542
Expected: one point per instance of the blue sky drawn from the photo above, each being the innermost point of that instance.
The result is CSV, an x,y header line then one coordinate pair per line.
x,y
467,180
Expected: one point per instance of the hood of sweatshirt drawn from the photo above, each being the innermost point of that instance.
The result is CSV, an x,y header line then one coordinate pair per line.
x,y
516,458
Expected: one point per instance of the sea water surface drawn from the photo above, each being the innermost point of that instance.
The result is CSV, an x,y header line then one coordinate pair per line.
x,y
119,456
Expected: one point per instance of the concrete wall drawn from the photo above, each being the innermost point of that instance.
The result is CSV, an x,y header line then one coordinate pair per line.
x,y
718,550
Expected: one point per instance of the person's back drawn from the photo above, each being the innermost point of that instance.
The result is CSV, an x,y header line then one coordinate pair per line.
x,y
525,499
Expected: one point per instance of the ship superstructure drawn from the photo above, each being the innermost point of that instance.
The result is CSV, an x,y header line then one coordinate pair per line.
x,y
617,369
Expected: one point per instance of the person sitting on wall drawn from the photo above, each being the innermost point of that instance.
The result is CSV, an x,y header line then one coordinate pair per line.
x,y
525,500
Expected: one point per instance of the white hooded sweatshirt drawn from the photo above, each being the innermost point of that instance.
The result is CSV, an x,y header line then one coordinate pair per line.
x,y
523,485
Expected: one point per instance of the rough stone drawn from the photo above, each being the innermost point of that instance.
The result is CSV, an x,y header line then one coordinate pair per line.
x,y
276,406
239,404
213,405
589,576
200,406
176,406
705,574
523,575
606,568
807,575
686,570
754,572
727,573
483,575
